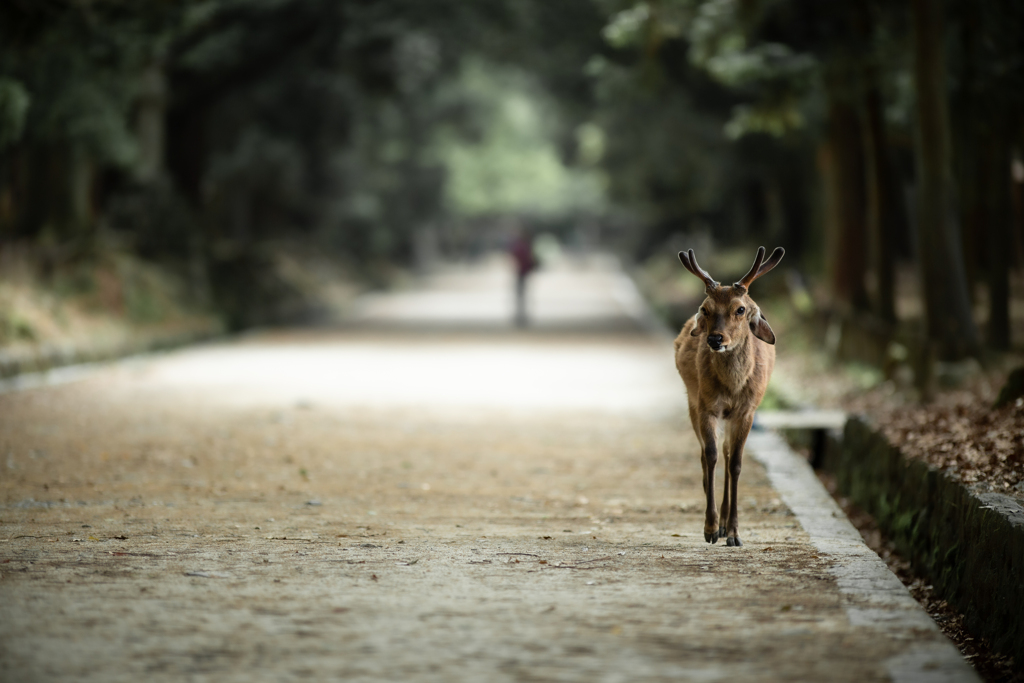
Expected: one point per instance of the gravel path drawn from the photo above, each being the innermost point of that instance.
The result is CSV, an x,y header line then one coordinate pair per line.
x,y
381,503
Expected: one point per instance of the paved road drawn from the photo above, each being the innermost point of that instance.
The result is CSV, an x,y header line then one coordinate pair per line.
x,y
425,494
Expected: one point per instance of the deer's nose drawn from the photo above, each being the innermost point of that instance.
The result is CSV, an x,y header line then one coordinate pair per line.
x,y
715,341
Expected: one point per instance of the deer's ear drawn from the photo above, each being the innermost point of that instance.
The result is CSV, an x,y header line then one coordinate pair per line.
x,y
761,329
698,327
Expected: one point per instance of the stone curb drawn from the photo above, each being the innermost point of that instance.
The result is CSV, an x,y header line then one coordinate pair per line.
x,y
969,543
55,364
874,597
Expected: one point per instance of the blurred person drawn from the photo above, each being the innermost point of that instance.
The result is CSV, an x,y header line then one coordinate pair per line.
x,y
521,251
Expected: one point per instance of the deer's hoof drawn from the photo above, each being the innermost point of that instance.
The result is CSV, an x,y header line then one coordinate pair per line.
x,y
721,532
733,541
711,538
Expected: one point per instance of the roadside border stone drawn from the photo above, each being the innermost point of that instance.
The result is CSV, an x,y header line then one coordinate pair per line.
x,y
44,357
56,364
970,543
877,598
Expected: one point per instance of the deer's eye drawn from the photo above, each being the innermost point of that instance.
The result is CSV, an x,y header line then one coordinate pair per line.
x,y
740,310
703,310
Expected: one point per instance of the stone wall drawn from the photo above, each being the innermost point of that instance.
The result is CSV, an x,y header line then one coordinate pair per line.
x,y
969,542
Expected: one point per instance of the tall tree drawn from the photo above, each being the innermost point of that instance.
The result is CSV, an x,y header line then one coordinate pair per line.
x,y
987,102
885,216
943,276
998,162
845,200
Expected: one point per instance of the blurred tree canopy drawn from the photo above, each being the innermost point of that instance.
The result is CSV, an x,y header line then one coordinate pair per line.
x,y
205,133
865,118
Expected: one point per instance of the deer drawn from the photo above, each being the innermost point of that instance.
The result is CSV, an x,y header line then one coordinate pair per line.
x,y
725,355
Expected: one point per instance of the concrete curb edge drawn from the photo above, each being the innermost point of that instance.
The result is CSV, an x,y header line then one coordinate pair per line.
x,y
874,597
969,542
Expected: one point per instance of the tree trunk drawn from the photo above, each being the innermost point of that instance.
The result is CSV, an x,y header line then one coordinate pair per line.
x,y
844,204
186,152
1000,243
81,176
884,219
795,178
944,283
969,122
885,215
151,112
1017,206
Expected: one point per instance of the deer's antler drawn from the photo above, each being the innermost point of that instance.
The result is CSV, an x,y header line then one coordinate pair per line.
x,y
690,262
761,266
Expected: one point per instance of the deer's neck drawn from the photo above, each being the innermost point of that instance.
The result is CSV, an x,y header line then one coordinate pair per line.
x,y
733,368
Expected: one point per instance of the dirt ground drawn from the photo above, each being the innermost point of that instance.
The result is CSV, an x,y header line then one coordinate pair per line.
x,y
365,505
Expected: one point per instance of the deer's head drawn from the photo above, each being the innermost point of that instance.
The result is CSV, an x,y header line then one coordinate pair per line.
x,y
728,314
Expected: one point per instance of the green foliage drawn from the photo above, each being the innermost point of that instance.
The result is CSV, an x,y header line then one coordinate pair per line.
x,y
14,328
722,34
719,38
775,119
205,130
353,123
85,113
735,65
14,104
626,28
513,167
78,68
661,146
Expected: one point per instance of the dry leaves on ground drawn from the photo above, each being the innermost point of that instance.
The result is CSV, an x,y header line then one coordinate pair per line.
x,y
960,433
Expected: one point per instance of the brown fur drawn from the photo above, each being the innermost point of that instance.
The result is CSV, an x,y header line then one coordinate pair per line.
x,y
725,385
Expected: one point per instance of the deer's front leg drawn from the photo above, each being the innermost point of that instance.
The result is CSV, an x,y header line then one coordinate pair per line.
x,y
726,498
738,431
709,458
